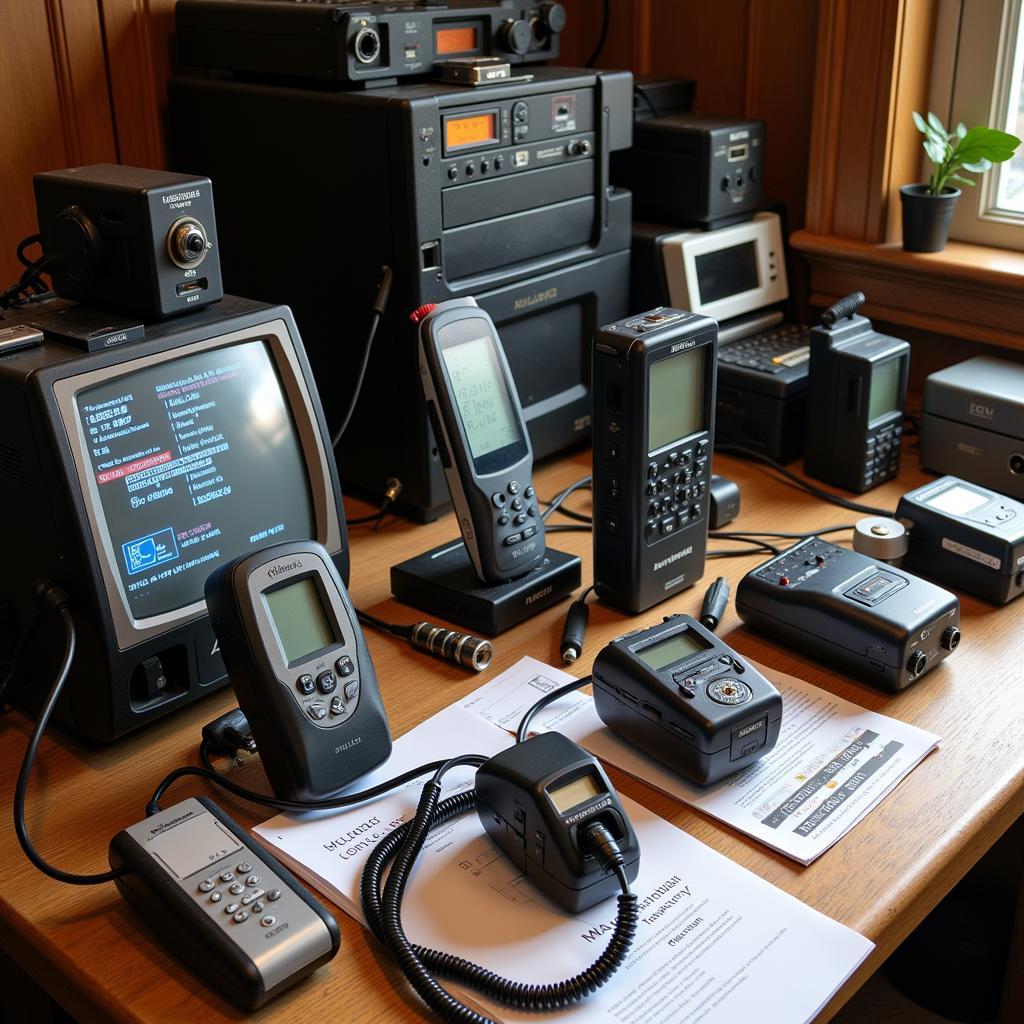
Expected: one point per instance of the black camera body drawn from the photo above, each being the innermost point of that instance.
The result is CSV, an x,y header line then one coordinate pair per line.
x,y
856,391
130,241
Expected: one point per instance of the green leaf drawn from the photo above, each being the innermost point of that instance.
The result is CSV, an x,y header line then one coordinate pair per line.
x,y
978,166
962,179
936,151
920,123
936,123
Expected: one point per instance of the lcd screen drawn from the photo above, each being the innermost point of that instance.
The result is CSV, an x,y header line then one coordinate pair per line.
x,y
574,793
675,402
298,616
462,39
193,844
885,388
957,500
474,130
726,272
674,649
195,460
480,395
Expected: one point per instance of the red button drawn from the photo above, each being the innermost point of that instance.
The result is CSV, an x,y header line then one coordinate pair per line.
x,y
784,581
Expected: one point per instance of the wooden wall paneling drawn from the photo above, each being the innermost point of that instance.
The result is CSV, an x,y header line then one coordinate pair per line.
x,y
54,106
627,33
139,39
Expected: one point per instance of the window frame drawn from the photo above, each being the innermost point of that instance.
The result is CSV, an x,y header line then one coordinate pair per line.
x,y
973,64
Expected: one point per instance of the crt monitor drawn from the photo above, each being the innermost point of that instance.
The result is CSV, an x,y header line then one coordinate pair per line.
x,y
143,468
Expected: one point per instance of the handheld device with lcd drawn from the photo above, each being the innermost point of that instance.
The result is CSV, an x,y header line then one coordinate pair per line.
x,y
966,536
856,391
654,401
482,439
682,695
300,668
880,623
222,903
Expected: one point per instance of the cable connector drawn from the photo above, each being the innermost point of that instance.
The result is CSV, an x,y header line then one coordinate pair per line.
x,y
575,629
716,600
49,595
601,843
229,734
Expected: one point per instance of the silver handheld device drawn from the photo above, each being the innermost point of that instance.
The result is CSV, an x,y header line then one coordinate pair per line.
x,y
222,903
482,439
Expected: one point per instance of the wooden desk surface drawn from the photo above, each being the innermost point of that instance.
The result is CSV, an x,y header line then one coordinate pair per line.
x,y
86,947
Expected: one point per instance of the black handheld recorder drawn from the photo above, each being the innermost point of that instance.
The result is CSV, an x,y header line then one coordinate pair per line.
x,y
653,428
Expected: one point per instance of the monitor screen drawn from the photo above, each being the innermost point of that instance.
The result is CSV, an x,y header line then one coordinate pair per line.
x,y
195,459
675,403
885,388
727,272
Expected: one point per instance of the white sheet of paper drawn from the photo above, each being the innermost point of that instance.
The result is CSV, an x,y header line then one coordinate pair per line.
x,y
833,762
713,938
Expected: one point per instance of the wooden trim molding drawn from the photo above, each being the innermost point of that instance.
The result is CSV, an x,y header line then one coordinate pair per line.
x,y
966,291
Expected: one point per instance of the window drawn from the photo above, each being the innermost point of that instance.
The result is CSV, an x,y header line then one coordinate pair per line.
x,y
977,78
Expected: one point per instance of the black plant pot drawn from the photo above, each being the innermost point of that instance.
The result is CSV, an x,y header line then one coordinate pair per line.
x,y
926,218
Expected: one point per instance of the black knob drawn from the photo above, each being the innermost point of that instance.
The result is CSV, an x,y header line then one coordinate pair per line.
x,y
916,663
76,243
187,242
514,36
581,147
951,638
555,16
1016,463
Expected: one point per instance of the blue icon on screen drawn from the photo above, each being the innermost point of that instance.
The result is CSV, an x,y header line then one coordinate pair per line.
x,y
149,551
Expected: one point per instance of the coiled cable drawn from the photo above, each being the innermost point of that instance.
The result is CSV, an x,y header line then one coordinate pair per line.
x,y
382,908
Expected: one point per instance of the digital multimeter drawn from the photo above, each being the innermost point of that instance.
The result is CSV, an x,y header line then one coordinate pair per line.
x,y
966,536
880,623
538,800
856,391
654,404
482,439
221,902
680,694
300,668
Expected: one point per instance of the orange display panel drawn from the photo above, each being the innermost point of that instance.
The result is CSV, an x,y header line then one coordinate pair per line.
x,y
455,40
470,131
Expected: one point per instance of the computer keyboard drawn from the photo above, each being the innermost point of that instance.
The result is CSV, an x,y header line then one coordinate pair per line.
x,y
770,351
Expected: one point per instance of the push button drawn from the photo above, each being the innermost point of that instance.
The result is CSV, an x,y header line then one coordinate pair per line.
x,y
529,532
512,539
513,487
351,689
337,706
344,666
498,499
206,885
316,711
327,682
305,684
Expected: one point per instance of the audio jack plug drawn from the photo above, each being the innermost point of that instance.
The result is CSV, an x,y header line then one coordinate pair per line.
x,y
460,649
716,600
575,628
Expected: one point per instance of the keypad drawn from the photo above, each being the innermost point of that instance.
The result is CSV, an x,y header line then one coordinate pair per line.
x,y
516,516
771,351
882,454
225,893
674,496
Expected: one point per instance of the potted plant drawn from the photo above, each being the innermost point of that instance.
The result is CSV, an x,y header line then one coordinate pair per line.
x,y
928,209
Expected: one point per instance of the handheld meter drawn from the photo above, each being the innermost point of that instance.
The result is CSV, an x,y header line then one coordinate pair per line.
x,y
543,802
222,903
856,391
880,623
680,694
482,439
654,404
966,536
299,666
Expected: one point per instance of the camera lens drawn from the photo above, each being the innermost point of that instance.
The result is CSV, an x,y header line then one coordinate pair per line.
x,y
1016,463
367,45
187,243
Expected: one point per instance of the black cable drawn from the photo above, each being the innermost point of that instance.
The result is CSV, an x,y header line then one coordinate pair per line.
x,y
602,38
575,628
392,489
555,503
568,528
380,305
218,778
30,278
729,534
804,485
382,908
23,245
21,788
548,698
755,544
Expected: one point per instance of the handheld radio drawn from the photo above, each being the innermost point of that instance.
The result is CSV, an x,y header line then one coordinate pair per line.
x,y
300,668
877,622
654,403
856,391
482,439
682,695
966,536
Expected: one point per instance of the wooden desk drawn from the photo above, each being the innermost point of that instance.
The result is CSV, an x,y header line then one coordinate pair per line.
x,y
88,949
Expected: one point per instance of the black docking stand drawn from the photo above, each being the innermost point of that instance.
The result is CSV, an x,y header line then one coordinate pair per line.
x,y
442,583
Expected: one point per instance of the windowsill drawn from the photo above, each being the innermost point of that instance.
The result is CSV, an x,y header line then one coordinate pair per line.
x,y
967,291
